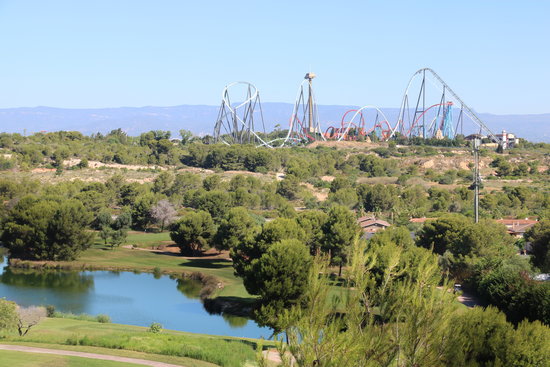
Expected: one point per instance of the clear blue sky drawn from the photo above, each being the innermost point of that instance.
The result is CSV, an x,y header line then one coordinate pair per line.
x,y
96,53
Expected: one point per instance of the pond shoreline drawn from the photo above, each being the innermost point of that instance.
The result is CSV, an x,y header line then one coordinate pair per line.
x,y
210,283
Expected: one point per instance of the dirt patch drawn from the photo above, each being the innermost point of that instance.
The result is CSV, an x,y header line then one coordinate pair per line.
x,y
362,145
42,170
321,195
96,164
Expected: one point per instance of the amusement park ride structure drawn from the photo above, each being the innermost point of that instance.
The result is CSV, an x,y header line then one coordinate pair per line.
x,y
430,117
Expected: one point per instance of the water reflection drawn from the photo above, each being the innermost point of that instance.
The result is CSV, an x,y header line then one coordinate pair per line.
x,y
189,288
62,281
235,321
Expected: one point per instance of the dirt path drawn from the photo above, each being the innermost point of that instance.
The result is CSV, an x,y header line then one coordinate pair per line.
x,y
22,348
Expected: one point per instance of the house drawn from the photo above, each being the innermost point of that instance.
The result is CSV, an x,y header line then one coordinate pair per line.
x,y
517,227
372,225
509,139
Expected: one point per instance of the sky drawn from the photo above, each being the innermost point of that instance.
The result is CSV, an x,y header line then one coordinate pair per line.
x,y
112,53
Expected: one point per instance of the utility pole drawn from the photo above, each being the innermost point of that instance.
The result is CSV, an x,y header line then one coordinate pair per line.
x,y
310,124
477,179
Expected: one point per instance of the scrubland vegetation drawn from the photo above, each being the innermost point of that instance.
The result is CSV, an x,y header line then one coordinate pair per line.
x,y
281,226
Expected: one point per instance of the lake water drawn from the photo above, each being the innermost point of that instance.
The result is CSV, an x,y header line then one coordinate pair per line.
x,y
128,298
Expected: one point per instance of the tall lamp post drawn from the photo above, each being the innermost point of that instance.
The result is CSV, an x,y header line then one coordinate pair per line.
x,y
477,178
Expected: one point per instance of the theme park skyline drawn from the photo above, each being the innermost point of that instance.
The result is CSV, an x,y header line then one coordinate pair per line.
x,y
136,53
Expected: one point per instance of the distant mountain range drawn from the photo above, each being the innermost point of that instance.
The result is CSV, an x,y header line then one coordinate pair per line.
x,y
200,119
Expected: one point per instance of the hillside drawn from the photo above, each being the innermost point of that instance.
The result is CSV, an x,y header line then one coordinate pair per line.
x,y
200,119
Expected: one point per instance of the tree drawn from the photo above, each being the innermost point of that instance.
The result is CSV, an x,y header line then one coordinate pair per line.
x,y
402,321
460,236
245,254
339,232
103,219
193,232
184,182
105,233
67,231
186,136
41,229
339,183
216,202
399,236
123,220
163,182
163,213
8,315
289,187
283,270
377,198
141,210
281,275
118,237
212,182
27,317
539,236
443,234
312,222
346,197
236,228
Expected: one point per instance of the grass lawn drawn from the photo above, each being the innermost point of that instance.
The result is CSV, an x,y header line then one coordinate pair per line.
x,y
146,240
10,358
191,350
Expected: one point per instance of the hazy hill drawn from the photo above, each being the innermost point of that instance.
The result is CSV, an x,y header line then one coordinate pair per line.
x,y
200,119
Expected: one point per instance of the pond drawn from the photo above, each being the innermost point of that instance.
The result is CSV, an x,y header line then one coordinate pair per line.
x,y
128,298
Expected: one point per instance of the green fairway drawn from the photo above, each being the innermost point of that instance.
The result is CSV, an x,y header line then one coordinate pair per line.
x,y
24,359
141,239
125,340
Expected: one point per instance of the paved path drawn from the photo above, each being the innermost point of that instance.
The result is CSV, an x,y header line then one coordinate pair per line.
x,y
145,362
469,299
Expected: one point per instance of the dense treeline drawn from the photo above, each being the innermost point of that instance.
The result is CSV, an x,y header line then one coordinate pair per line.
x,y
158,147
483,258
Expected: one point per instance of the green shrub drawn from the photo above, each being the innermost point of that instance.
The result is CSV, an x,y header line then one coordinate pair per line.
x,y
155,328
50,311
104,319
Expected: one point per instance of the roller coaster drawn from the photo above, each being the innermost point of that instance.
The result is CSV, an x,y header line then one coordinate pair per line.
x,y
426,111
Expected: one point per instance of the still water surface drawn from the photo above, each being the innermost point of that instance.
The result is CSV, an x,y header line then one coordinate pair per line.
x,y
128,298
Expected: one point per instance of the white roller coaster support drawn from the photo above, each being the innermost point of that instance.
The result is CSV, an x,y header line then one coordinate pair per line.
x,y
356,114
293,117
232,111
468,111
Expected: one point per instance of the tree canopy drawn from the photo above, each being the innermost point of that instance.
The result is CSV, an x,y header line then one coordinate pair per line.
x,y
193,232
43,229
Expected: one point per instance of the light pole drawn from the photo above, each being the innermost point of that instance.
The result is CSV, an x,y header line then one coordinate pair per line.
x,y
477,178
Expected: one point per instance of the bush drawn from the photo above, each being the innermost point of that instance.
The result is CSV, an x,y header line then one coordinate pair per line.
x,y
50,311
155,328
104,319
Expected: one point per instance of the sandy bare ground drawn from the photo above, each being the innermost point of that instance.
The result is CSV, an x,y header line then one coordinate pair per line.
x,y
97,164
321,195
22,348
